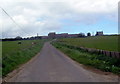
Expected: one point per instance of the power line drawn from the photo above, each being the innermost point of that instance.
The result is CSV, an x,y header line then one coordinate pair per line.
x,y
13,20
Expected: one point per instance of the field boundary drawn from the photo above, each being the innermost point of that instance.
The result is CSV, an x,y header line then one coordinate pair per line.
x,y
93,50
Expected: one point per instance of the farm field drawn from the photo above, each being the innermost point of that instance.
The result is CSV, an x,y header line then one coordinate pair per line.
x,y
109,43
13,46
14,54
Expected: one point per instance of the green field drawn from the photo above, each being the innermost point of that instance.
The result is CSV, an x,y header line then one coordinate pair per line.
x,y
109,43
13,46
14,54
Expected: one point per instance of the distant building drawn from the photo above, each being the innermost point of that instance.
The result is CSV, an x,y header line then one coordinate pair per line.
x,y
52,35
100,33
73,35
63,35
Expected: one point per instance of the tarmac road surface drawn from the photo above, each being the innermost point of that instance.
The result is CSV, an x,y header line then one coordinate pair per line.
x,y
51,65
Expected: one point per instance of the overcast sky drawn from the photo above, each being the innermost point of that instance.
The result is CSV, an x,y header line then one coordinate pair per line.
x,y
61,16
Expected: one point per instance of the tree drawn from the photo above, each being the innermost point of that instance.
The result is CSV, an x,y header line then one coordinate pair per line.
x,y
81,35
88,34
18,38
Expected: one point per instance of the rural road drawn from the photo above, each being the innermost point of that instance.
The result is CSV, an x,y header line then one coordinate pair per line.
x,y
51,65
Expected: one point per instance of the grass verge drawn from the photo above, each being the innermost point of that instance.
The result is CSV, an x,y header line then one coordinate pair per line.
x,y
104,63
12,60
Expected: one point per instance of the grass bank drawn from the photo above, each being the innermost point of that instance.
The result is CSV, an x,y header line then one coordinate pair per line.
x,y
104,63
15,54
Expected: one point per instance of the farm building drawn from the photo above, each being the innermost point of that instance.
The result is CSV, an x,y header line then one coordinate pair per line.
x,y
100,33
52,35
63,35
72,35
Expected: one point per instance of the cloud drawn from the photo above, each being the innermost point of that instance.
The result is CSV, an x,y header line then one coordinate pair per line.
x,y
43,16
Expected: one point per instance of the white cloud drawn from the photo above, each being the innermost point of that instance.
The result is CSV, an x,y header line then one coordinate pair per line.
x,y
42,16
96,6
20,19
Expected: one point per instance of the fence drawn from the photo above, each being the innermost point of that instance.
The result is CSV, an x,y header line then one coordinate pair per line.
x,y
92,50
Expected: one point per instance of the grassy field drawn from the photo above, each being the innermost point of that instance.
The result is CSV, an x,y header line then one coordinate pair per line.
x,y
109,43
14,54
12,46
104,63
